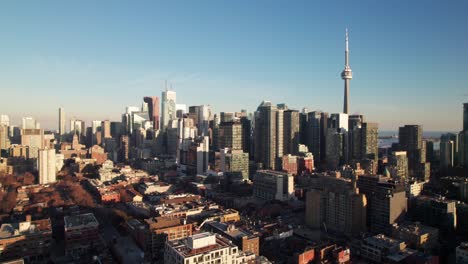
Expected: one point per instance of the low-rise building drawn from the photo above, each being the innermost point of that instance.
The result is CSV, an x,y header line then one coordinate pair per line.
x,y
162,229
204,248
415,235
378,247
246,240
30,240
81,234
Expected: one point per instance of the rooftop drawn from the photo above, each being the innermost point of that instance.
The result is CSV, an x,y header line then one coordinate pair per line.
x,y
382,241
25,228
80,220
199,244
415,228
401,255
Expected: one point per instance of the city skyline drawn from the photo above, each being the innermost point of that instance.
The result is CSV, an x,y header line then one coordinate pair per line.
x,y
106,59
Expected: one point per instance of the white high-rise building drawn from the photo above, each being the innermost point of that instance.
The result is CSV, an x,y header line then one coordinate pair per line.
x,y
61,122
77,127
47,166
168,106
4,120
96,126
30,123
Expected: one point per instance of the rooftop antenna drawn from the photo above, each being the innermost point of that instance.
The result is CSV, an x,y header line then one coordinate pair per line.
x,y
165,84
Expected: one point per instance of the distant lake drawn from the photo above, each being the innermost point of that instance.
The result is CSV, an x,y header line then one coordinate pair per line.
x,y
387,142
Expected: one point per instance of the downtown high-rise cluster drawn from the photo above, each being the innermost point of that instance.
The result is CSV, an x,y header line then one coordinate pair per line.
x,y
191,185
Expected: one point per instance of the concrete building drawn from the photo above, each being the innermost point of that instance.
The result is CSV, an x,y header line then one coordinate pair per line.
x,y
415,235
297,165
378,248
81,234
204,248
334,204
34,139
273,185
244,239
387,202
168,108
436,212
235,161
47,166
193,155
414,188
29,240
164,229
30,123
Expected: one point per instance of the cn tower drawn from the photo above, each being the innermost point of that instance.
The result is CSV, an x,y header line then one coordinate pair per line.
x,y
346,75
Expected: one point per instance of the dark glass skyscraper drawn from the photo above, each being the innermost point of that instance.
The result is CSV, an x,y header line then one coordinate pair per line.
x,y
153,109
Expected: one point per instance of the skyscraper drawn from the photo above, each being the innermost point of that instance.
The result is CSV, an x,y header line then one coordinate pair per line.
x,y
168,107
4,139
61,123
153,109
230,135
46,166
291,132
465,117
398,165
346,75
410,140
105,128
387,202
370,147
463,157
447,154
265,135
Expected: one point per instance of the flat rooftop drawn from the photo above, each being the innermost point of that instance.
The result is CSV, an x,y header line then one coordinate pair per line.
x,y
382,241
80,220
415,228
25,228
182,246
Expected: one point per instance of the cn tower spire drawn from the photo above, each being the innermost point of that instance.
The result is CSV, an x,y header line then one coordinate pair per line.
x,y
346,75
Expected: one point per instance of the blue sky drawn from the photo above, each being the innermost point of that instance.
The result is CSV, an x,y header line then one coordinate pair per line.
x,y
409,58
